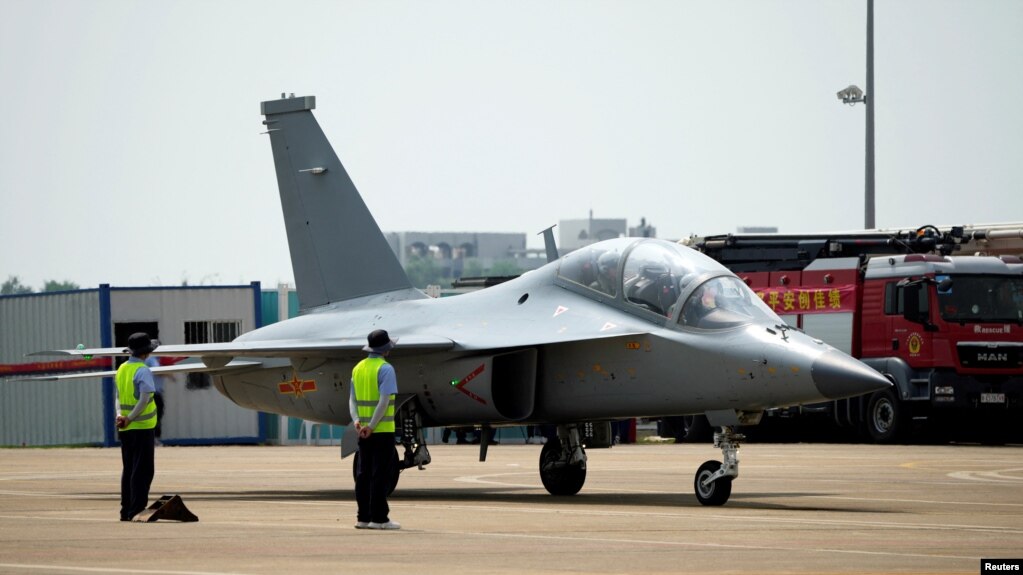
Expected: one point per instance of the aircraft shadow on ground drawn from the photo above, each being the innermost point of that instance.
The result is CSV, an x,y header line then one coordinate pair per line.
x,y
519,495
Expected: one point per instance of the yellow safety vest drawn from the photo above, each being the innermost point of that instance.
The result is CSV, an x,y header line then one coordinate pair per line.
x,y
367,393
126,397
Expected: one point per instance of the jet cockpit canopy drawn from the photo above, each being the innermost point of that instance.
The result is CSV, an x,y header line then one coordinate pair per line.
x,y
654,275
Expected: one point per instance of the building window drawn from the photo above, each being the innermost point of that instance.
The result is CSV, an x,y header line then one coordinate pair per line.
x,y
211,331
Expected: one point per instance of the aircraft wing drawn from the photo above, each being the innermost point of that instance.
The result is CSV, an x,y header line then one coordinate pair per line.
x,y
217,355
162,370
267,348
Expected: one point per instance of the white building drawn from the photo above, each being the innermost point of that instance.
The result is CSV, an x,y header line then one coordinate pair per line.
x,y
82,411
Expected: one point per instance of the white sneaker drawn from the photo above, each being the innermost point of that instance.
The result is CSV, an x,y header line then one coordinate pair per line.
x,y
362,525
388,525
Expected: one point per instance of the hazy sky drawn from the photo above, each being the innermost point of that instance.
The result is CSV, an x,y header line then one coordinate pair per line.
x,y
131,152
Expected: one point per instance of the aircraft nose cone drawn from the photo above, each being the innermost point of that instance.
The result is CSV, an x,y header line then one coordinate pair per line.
x,y
837,376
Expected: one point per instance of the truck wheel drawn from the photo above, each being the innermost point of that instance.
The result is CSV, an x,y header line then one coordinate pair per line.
x,y
884,421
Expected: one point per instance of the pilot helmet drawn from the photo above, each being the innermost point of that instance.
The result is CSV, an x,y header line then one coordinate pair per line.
x,y
686,280
608,263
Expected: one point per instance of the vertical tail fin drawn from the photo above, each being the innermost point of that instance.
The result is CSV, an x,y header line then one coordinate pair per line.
x,y
337,249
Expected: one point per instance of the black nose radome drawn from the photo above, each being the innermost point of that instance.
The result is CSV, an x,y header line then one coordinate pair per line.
x,y
837,376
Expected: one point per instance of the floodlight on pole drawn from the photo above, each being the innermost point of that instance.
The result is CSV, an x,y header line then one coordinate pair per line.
x,y
853,95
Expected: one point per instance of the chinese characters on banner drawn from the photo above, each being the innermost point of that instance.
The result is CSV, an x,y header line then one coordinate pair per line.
x,y
809,300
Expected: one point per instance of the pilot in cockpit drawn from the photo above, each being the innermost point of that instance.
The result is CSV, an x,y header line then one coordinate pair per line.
x,y
607,273
655,288
701,304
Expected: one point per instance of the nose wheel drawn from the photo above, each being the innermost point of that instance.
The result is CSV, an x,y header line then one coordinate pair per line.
x,y
713,481
712,491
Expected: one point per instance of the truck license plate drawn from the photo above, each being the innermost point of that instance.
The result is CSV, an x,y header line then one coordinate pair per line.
x,y
992,398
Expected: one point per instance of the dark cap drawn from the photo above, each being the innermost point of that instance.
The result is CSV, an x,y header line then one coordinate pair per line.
x,y
379,342
139,343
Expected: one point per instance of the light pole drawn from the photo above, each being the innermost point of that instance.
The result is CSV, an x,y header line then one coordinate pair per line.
x,y
853,95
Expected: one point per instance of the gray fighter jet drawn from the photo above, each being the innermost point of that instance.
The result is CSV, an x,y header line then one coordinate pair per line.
x,y
623,328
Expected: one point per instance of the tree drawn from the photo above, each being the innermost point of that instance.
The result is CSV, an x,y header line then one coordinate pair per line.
x,y
423,272
13,286
53,285
504,268
472,268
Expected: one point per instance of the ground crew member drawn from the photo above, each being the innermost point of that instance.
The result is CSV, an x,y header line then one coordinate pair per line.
x,y
371,404
136,423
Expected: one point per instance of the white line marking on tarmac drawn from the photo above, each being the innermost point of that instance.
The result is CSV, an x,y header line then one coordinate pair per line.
x,y
678,515
698,544
841,497
486,480
53,568
465,534
997,476
59,495
750,518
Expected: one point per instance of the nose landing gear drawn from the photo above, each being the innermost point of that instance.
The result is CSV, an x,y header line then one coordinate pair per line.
x,y
713,481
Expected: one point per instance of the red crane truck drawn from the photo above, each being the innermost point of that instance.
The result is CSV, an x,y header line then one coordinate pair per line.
x,y
946,328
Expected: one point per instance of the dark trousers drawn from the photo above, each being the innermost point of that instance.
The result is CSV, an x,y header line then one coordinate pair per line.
x,y
374,477
136,470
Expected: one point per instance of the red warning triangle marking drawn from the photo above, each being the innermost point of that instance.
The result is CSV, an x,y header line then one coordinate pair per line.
x,y
561,309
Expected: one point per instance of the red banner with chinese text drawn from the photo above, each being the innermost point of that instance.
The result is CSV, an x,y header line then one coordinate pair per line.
x,y
786,301
54,366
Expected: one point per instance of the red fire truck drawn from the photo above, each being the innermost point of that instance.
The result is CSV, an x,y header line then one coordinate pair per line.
x,y
946,328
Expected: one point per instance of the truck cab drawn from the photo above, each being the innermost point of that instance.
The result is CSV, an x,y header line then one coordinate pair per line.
x,y
949,331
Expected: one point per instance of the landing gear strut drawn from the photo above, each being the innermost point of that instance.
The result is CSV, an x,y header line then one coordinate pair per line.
x,y
412,437
713,482
563,462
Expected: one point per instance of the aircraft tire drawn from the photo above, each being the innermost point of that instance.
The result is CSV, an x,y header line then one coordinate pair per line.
x,y
396,466
716,493
884,420
563,480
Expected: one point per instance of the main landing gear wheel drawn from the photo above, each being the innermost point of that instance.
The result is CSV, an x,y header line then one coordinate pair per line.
x,y
559,476
395,466
715,492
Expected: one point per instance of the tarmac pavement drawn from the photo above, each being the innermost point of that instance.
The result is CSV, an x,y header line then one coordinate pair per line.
x,y
795,508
